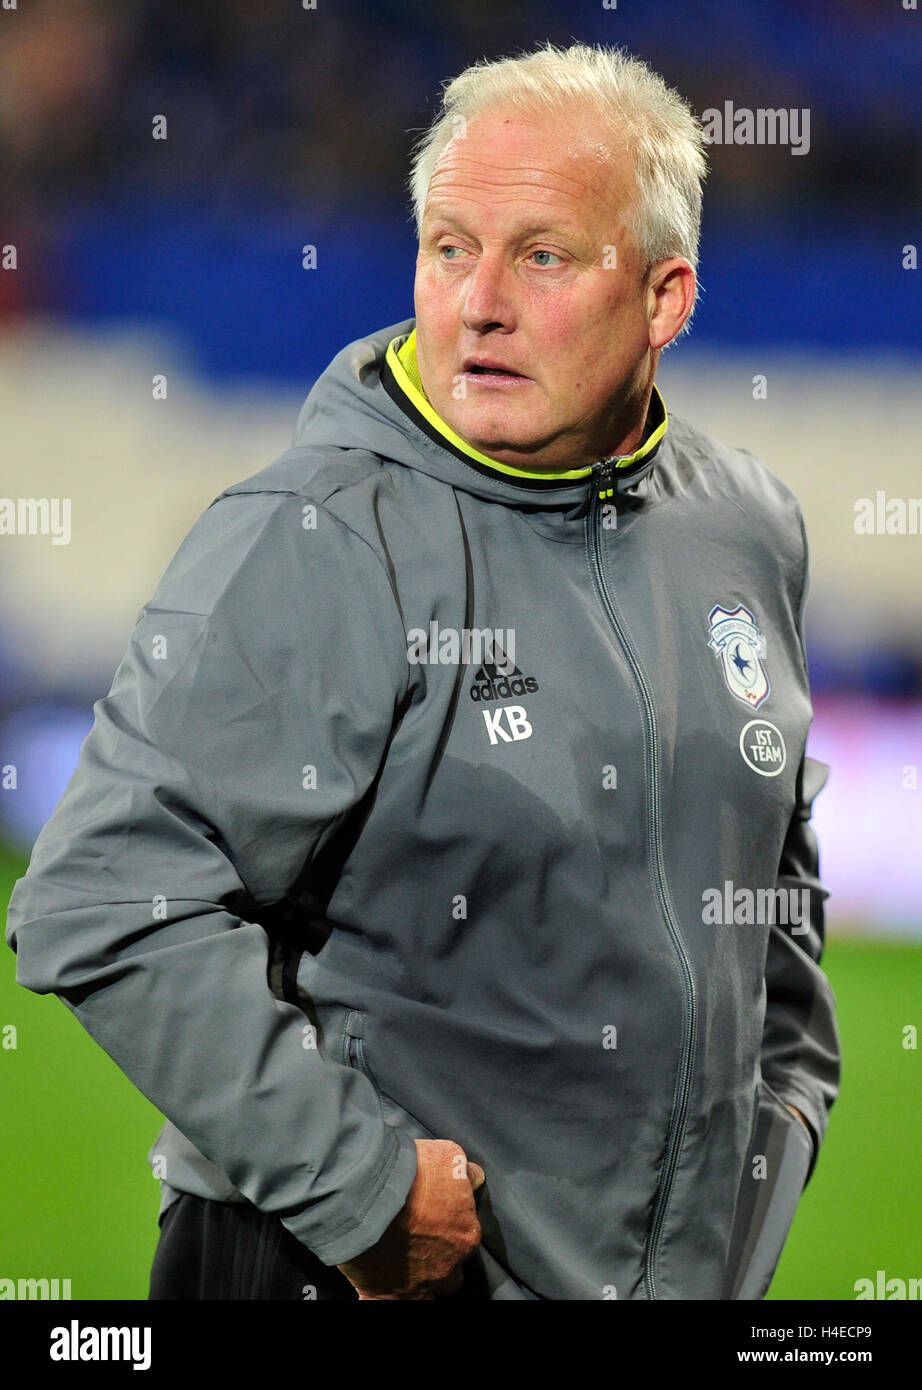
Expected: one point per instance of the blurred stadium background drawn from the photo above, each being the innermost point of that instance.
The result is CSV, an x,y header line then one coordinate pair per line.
x,y
181,258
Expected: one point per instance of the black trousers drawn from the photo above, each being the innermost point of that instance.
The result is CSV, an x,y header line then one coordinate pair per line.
x,y
232,1250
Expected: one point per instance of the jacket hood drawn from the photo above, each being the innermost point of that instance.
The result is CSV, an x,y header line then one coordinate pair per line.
x,y
370,397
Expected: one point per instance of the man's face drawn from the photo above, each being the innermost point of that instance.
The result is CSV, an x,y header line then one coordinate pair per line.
x,y
525,261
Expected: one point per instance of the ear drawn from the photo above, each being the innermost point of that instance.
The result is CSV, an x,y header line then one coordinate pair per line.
x,y
670,297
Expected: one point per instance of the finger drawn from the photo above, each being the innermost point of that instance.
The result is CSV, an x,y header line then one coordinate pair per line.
x,y
476,1175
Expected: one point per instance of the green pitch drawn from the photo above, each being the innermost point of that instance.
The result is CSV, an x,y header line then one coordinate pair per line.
x,y
78,1201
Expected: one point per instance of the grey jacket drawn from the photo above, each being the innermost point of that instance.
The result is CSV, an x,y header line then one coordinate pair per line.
x,y
331,876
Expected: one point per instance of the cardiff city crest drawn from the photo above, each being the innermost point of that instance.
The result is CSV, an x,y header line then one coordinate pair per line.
x,y
740,645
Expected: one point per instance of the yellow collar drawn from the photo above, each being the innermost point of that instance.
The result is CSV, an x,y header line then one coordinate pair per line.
x,y
401,358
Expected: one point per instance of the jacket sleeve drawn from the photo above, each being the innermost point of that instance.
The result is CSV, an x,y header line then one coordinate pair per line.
x,y
800,1064
800,1053
249,716
800,1040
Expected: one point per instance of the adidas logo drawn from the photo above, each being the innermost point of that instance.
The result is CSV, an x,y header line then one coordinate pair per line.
x,y
494,681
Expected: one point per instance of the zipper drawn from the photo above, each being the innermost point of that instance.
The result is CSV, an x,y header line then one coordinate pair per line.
x,y
354,1044
603,488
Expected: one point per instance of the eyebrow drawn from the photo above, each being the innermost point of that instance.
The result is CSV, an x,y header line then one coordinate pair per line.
x,y
532,229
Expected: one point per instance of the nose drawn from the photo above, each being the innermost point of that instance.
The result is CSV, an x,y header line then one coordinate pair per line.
x,y
488,301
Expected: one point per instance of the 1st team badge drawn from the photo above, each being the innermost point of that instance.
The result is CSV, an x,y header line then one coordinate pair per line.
x,y
739,644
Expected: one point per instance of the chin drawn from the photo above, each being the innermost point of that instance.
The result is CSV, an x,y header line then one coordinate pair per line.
x,y
493,443
477,429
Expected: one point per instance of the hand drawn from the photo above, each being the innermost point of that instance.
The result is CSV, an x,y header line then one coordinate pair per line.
x,y
794,1111
436,1229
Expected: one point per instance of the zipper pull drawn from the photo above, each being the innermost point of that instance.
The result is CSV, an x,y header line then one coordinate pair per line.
x,y
606,469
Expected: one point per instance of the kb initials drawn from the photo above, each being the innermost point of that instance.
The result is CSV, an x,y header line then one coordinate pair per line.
x,y
516,718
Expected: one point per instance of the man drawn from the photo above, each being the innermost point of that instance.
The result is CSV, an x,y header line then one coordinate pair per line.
x,y
439,862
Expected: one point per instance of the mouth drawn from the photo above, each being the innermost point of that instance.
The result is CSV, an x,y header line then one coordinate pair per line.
x,y
486,372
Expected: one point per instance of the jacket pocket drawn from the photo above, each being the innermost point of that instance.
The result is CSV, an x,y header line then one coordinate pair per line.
x,y
777,1164
354,1054
353,1045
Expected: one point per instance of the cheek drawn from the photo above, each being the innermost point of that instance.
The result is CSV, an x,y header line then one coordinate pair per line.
x,y
433,308
581,347
557,332
588,336
618,328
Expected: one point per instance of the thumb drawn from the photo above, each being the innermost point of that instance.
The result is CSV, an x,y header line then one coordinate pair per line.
x,y
476,1175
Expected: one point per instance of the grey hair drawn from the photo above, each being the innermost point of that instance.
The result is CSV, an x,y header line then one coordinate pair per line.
x,y
663,137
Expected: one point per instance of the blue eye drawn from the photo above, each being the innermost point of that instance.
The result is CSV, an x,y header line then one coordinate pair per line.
x,y
547,253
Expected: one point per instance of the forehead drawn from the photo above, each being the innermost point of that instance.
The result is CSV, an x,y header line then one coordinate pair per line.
x,y
506,161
